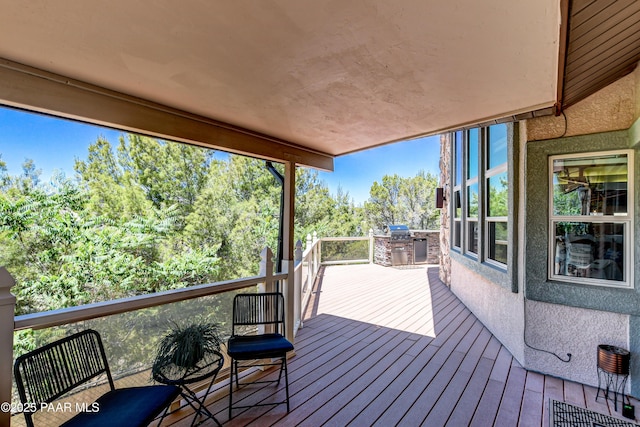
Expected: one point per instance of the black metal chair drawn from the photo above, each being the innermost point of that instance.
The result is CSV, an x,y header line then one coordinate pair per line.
x,y
246,343
50,372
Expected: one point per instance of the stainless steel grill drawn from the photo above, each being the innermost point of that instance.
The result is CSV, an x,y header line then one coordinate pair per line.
x,y
399,233
400,238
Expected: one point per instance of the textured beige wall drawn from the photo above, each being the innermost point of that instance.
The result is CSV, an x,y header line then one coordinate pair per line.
x,y
559,328
615,107
499,309
563,329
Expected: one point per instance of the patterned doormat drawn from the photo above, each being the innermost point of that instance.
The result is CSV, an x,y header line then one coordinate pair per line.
x,y
566,415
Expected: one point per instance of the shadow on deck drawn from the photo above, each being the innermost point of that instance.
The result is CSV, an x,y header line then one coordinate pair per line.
x,y
383,346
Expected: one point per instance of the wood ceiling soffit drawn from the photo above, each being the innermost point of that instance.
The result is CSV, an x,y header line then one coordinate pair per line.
x,y
603,46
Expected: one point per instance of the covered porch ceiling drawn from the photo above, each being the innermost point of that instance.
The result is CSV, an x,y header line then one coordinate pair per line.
x,y
320,78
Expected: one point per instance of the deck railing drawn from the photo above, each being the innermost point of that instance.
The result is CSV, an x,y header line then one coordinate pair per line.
x,y
309,261
307,267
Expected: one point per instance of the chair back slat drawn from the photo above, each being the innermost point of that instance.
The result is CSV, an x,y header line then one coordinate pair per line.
x,y
258,309
49,372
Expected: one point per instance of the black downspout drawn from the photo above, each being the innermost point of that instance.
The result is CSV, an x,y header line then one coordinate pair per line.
x,y
280,179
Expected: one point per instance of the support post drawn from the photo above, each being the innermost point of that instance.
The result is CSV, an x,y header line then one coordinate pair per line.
x,y
288,248
298,285
7,315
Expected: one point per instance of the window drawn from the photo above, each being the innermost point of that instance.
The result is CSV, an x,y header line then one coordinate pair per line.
x,y
473,201
591,213
480,199
497,200
457,186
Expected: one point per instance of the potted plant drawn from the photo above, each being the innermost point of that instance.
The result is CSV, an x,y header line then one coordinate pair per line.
x,y
184,346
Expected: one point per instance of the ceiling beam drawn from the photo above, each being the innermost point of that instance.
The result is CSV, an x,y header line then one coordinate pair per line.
x,y
36,90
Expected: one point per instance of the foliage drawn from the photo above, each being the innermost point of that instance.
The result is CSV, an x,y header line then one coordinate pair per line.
x,y
185,346
151,215
398,200
498,187
345,250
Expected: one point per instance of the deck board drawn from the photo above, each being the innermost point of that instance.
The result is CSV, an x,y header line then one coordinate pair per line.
x,y
386,346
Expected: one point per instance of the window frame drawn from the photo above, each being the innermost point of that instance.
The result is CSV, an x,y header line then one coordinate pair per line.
x,y
457,230
626,220
490,172
460,225
468,183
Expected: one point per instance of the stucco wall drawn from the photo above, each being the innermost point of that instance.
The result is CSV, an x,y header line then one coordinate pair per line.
x,y
499,309
560,317
562,329
613,108
564,317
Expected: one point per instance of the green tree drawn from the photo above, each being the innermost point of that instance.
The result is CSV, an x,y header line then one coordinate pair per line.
x,y
113,193
238,211
169,173
314,205
383,206
417,199
398,200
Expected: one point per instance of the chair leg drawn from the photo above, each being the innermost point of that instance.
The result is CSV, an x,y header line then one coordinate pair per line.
x,y
286,380
237,379
234,371
282,364
164,414
233,362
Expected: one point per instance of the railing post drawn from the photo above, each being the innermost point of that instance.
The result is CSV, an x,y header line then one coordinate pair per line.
x,y
371,248
311,259
7,314
266,270
316,253
298,285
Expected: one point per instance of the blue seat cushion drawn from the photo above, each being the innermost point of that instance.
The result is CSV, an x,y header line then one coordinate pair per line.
x,y
134,406
258,346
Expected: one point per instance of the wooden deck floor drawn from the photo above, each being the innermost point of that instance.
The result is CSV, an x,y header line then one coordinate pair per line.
x,y
384,346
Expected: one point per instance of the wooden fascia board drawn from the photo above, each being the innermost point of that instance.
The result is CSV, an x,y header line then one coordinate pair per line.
x,y
563,44
36,90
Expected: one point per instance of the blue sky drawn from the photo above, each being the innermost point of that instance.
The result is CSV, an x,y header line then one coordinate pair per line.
x,y
55,144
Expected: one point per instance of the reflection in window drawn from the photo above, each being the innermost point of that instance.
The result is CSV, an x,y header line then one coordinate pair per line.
x,y
458,158
590,250
457,181
497,150
591,217
498,241
590,185
472,158
472,241
472,198
498,195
